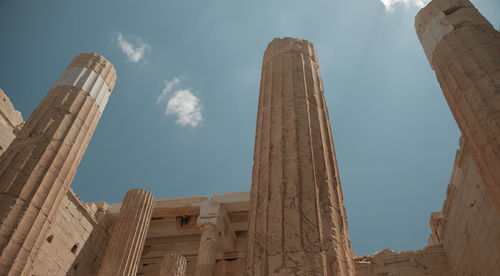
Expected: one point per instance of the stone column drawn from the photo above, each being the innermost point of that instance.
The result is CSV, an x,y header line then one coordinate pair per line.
x,y
297,217
210,223
39,165
463,49
173,265
129,234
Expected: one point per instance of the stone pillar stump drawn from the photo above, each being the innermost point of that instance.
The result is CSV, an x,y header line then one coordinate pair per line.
x,y
129,234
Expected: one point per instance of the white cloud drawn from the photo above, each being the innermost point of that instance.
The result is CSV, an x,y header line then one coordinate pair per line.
x,y
389,4
182,103
187,108
169,86
134,53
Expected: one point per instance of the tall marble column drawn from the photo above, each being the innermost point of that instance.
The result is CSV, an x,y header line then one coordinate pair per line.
x,y
39,165
297,217
463,49
210,223
129,234
173,265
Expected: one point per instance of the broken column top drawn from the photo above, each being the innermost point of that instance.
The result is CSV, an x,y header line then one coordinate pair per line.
x,y
289,44
98,64
441,17
91,73
449,11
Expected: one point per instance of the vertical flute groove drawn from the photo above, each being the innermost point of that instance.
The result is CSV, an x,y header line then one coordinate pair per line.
x,y
129,234
173,265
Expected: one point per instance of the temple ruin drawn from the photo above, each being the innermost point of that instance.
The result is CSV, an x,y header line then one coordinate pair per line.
x,y
47,230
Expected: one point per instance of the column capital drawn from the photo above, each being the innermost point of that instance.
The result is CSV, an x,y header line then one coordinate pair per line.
x,y
211,212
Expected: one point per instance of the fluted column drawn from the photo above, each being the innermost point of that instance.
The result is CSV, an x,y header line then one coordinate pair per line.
x,y
129,234
210,223
297,218
39,165
173,265
463,49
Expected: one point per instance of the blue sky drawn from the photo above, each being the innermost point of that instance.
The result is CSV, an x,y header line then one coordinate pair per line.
x,y
394,135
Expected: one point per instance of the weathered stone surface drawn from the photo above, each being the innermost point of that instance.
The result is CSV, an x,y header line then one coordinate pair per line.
x,y
76,242
233,267
173,265
39,165
428,261
297,217
174,229
205,264
129,233
468,226
463,48
10,121
94,62
210,223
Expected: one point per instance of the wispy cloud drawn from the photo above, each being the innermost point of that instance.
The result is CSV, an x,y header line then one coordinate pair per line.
x,y
182,103
134,52
169,86
389,4
187,108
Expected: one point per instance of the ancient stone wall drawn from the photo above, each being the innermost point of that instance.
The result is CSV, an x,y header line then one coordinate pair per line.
x,y
468,226
76,242
10,121
230,267
234,267
430,260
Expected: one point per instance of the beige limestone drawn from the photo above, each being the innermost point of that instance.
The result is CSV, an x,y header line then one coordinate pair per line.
x,y
129,233
173,265
297,218
463,48
230,267
468,227
430,261
10,122
174,229
39,165
205,264
76,242
93,62
210,222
